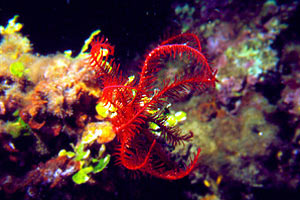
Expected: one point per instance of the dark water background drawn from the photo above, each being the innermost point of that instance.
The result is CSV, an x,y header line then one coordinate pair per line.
x,y
58,25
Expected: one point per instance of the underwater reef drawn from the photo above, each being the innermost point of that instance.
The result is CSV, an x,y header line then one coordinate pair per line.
x,y
212,112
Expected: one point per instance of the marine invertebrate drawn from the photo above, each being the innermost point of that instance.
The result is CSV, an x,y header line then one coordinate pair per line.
x,y
65,86
135,104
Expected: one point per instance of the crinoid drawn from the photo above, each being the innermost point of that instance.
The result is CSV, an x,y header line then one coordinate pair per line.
x,y
138,103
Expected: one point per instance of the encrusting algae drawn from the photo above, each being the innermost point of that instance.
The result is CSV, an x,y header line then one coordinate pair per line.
x,y
41,98
248,128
